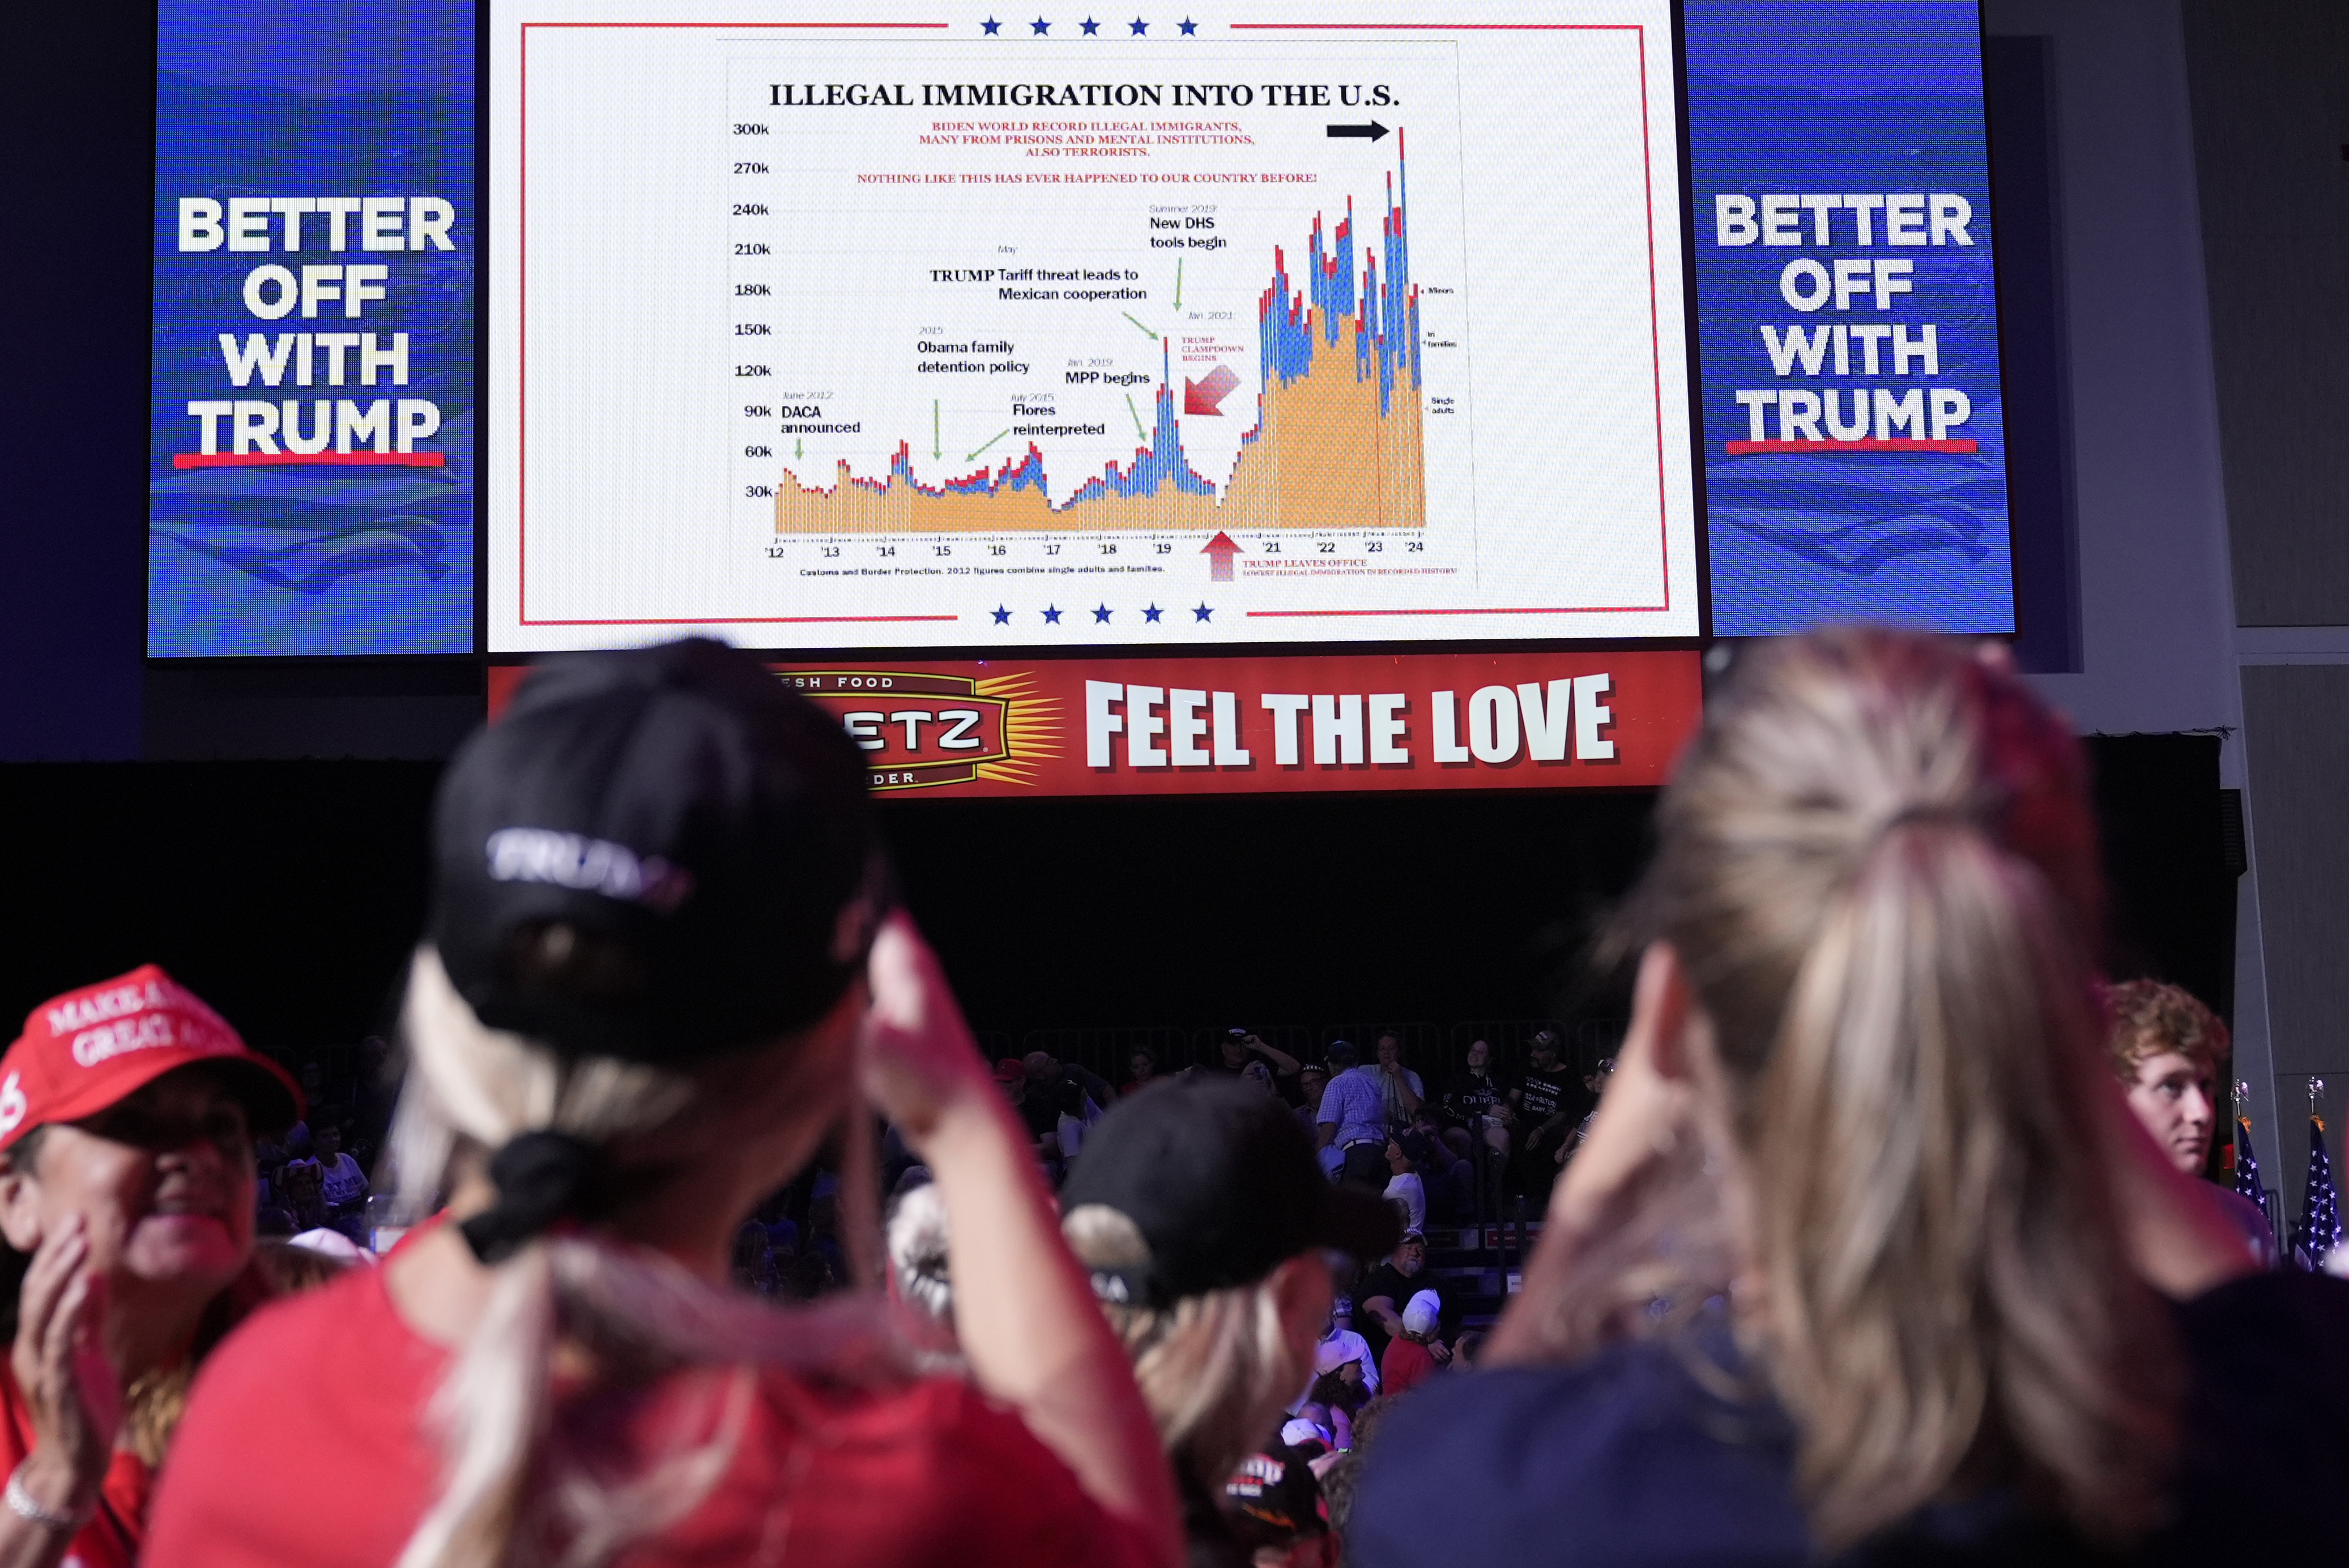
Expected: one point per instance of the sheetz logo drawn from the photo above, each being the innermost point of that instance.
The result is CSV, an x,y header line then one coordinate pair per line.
x,y
922,731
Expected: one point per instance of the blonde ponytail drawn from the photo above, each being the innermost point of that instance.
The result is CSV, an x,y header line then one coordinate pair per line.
x,y
513,1490
1214,1368
1879,871
1945,1283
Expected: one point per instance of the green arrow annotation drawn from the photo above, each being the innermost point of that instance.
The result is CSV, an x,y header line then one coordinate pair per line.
x,y
998,435
1137,418
1178,283
1129,316
935,452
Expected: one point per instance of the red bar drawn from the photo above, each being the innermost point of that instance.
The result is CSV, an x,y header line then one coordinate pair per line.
x,y
1895,444
1478,610
741,620
1438,27
291,459
1201,726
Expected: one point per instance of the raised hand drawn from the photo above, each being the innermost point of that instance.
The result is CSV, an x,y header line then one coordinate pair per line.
x,y
73,1392
917,1060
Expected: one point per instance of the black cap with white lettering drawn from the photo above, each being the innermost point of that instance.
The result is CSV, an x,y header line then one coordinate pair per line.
x,y
1222,1184
658,854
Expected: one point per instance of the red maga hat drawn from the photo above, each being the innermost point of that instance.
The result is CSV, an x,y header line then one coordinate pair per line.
x,y
89,1048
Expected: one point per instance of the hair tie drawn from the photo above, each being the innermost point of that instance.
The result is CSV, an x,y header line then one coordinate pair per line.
x,y
542,1177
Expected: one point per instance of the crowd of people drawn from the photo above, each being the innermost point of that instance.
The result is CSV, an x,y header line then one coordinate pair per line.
x,y
1490,1143
1882,1240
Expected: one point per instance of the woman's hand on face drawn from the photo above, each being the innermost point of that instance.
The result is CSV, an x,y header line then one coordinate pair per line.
x,y
917,1061
60,1363
1644,1114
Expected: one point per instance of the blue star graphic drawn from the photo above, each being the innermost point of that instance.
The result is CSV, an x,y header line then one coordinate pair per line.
x,y
1151,614
1203,611
1090,27
1188,27
1002,616
990,26
1139,26
1051,615
1040,24
1100,615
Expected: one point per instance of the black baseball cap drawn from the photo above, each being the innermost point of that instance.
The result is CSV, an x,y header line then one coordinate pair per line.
x,y
1274,1498
660,855
1222,1184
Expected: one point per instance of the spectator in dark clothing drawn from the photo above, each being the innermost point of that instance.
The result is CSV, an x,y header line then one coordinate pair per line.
x,y
1060,1102
1312,1078
301,1182
1140,1072
1205,1225
1428,1179
1386,1290
1057,1080
1478,1107
1240,1047
1596,1082
1864,1081
1549,1100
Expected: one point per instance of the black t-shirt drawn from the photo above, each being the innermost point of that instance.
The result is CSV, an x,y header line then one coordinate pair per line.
x,y
1542,1095
1042,1108
1471,1095
1388,1281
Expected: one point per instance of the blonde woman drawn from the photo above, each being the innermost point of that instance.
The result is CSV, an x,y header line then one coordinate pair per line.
x,y
1204,1221
1863,1253
652,985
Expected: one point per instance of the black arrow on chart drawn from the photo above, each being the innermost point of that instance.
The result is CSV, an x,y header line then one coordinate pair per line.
x,y
1372,131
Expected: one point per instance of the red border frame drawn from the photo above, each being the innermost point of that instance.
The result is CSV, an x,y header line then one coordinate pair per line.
x,y
521,317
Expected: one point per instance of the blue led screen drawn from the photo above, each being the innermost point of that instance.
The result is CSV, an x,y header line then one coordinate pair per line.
x,y
311,455
1853,449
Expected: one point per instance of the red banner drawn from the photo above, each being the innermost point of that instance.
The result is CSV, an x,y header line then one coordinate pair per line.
x,y
1279,722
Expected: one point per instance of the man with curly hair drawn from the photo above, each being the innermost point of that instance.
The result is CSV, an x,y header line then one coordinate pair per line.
x,y
2169,1052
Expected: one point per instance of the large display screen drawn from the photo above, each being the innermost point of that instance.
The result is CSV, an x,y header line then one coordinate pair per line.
x,y
936,326
885,330
1854,463
311,445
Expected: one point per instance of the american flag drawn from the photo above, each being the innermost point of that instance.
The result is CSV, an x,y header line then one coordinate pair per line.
x,y
2319,1230
2247,1165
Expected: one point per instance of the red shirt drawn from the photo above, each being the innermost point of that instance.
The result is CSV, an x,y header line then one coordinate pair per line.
x,y
110,1539
1405,1365
303,1444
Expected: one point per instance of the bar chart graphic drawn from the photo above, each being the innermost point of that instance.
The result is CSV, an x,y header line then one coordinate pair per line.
x,y
1337,441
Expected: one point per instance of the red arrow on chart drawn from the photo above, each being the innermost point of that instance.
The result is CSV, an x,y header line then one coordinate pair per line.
x,y
1219,552
1207,397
